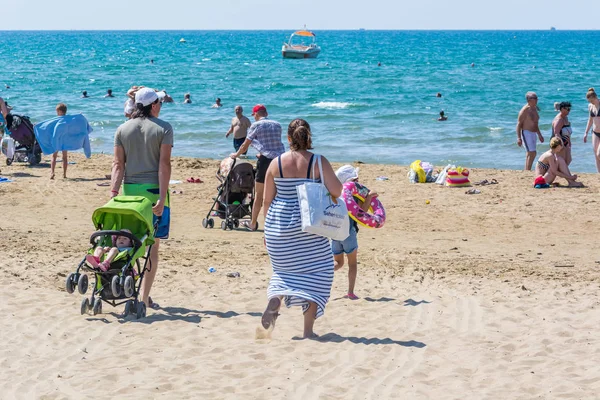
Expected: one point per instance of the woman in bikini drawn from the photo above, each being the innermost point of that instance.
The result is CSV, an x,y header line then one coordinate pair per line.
x,y
561,128
551,165
593,121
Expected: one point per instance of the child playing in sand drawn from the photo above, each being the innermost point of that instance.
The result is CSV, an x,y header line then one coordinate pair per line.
x,y
349,246
121,243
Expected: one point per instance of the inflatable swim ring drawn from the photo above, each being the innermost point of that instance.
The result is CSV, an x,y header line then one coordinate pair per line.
x,y
375,218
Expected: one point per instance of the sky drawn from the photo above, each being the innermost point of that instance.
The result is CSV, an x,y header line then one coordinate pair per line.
x,y
291,15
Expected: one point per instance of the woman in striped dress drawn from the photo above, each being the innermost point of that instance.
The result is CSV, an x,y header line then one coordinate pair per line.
x,y
302,262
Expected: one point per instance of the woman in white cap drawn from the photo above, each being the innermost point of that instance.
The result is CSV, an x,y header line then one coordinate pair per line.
x,y
142,162
349,246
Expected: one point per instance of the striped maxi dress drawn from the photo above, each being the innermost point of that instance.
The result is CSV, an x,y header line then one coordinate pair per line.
x,y
302,262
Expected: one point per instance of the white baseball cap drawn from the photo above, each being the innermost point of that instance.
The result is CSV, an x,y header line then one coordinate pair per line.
x,y
346,173
146,96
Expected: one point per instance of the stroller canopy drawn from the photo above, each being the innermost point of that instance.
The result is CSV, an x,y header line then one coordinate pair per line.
x,y
127,212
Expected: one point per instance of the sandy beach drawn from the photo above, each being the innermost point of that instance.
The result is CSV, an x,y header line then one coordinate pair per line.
x,y
486,296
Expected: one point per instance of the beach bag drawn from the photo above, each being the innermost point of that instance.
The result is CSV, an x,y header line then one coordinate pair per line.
x,y
441,178
458,177
421,172
320,214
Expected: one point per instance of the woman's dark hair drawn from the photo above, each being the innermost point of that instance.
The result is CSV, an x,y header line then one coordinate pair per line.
x,y
141,111
564,104
299,135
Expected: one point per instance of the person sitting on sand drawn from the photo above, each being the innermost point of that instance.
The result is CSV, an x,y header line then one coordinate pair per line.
x,y
187,99
442,116
61,110
122,243
550,165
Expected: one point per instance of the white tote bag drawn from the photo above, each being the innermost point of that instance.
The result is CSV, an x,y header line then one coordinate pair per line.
x,y
320,214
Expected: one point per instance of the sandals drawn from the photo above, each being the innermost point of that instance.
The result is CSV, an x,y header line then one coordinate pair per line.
x,y
152,304
246,224
486,182
271,313
192,180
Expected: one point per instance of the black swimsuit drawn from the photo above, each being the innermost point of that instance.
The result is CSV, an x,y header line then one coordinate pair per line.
x,y
594,115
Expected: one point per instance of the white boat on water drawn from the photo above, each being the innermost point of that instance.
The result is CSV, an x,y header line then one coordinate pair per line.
x,y
301,45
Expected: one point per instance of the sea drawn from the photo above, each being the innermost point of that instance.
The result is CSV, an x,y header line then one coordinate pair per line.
x,y
370,96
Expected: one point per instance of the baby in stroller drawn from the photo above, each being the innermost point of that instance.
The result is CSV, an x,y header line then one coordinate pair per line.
x,y
121,243
118,257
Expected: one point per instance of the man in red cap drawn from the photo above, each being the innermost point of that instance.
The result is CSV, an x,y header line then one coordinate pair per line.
x,y
265,136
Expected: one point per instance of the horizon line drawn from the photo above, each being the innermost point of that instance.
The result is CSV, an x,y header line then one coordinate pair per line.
x,y
551,29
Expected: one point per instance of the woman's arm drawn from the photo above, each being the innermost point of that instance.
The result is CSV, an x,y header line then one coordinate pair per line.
x,y
118,170
332,183
164,176
557,127
270,188
587,128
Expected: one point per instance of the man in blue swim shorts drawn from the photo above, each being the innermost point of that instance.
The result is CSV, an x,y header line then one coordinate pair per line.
x,y
142,162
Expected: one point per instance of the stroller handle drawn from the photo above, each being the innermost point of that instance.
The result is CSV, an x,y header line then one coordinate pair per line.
x,y
136,242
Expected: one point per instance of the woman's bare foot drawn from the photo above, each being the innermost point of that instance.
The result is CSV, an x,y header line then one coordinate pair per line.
x,y
51,176
575,184
310,335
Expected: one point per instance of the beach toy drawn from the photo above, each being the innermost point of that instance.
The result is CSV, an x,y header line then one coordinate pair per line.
x,y
375,218
212,269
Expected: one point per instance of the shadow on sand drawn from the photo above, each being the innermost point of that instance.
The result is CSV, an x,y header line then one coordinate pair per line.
x,y
381,299
413,303
335,338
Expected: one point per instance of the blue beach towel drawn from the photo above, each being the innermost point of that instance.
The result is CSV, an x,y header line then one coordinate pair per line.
x,y
3,179
68,132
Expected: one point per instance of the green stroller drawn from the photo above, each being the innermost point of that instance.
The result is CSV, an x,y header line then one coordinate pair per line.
x,y
120,283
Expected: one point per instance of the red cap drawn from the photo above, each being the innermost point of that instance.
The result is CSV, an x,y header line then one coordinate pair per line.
x,y
539,181
257,108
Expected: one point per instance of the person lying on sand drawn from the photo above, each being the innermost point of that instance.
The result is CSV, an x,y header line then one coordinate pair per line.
x,y
550,165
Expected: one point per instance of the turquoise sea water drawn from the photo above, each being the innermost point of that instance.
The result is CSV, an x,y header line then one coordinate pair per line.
x,y
358,110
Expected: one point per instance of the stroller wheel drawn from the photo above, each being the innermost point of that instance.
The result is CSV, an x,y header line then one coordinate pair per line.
x,y
236,223
92,302
115,287
141,310
82,284
97,309
211,223
224,225
9,161
205,223
85,304
128,308
128,286
70,284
